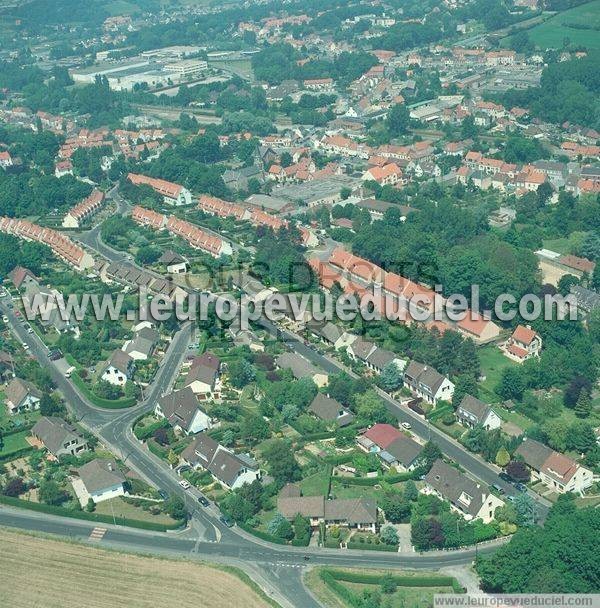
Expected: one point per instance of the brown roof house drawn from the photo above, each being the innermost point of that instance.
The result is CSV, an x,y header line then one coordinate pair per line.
x,y
523,344
467,497
99,480
359,513
555,470
58,436
231,470
182,411
330,410
21,396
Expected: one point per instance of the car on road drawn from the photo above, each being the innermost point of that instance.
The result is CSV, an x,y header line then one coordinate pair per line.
x,y
25,345
226,521
521,487
5,318
164,495
186,485
406,425
203,501
498,489
30,330
505,477
55,354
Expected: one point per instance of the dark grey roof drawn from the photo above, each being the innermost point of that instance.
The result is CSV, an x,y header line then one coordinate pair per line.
x,y
300,367
425,375
471,405
457,488
330,332
100,475
179,407
380,357
170,257
329,409
54,432
352,510
534,453
586,298
17,390
120,360
405,450
361,348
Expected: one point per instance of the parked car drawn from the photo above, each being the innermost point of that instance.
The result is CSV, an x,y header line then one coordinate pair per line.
x,y
521,487
498,489
55,354
5,318
186,485
225,520
505,477
406,425
203,501
164,495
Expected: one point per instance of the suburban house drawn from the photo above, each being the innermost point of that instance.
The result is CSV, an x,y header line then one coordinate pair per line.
x,y
524,343
555,470
467,497
181,409
231,470
329,410
100,479
358,513
472,412
174,263
21,396
302,368
203,377
119,368
22,277
427,383
141,347
58,436
393,447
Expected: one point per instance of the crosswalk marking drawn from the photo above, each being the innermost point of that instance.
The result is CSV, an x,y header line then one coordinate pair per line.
x,y
97,534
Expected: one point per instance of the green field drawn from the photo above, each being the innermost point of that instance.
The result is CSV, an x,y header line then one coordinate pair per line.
x,y
492,364
553,32
13,443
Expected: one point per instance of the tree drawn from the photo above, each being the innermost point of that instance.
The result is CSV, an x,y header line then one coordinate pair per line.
x,y
241,373
518,470
581,437
396,508
370,409
388,582
91,505
525,509
175,507
172,458
161,436
389,535
279,526
512,384
282,464
254,428
52,494
302,527
228,438
390,377
14,487
583,407
502,457
398,120
411,493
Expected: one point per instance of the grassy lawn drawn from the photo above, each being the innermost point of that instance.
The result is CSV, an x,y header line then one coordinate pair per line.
x,y
567,244
121,509
492,364
14,443
339,491
521,421
317,484
552,32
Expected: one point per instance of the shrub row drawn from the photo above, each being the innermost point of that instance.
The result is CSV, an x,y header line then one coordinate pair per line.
x,y
144,432
264,535
109,404
352,544
16,454
96,517
372,481
401,581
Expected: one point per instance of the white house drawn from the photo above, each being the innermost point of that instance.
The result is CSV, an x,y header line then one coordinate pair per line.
x,y
21,396
524,343
101,480
119,368
427,383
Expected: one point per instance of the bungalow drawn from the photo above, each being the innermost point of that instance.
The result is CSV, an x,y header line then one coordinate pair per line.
x,y
181,409
119,368
328,409
142,345
470,499
58,436
101,480
231,470
203,377
556,471
21,396
302,368
357,513
427,383
524,343
472,412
